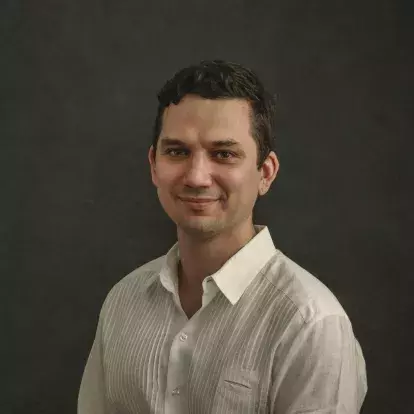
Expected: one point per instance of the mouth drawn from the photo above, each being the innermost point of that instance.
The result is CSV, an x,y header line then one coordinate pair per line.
x,y
198,203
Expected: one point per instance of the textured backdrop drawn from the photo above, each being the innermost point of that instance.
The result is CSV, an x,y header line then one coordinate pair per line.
x,y
78,98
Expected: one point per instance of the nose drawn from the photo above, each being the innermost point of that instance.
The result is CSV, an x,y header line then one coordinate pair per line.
x,y
198,173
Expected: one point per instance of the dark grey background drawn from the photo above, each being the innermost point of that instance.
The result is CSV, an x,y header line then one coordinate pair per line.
x,y
78,95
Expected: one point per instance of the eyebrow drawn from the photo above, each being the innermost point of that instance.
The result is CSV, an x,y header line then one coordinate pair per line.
x,y
218,143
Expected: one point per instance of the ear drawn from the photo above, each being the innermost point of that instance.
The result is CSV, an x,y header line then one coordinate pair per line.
x,y
269,172
151,159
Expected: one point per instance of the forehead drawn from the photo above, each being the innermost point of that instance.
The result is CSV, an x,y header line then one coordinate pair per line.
x,y
215,118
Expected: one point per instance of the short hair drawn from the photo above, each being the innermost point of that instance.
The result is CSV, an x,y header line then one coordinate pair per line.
x,y
219,79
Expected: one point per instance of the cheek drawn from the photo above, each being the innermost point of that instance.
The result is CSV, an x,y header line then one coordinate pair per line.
x,y
166,177
244,183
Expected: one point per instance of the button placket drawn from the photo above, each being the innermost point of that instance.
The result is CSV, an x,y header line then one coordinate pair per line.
x,y
178,367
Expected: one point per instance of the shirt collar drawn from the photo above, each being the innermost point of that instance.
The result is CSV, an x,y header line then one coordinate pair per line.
x,y
236,274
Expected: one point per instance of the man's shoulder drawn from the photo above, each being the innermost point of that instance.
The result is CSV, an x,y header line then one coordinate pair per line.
x,y
136,281
143,273
313,299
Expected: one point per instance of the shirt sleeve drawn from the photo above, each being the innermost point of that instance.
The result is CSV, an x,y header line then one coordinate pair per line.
x,y
92,393
319,369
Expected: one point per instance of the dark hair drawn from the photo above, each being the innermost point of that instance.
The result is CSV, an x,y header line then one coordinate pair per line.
x,y
218,79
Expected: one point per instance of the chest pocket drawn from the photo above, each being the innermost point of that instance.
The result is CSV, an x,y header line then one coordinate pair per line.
x,y
237,392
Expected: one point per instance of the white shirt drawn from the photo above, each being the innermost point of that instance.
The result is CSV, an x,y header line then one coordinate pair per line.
x,y
269,338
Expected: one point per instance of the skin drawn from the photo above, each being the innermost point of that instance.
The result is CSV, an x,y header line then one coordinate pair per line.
x,y
208,233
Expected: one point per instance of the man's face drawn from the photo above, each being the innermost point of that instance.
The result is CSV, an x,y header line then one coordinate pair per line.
x,y
205,168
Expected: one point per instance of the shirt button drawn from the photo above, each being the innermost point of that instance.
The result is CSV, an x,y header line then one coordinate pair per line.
x,y
176,391
183,337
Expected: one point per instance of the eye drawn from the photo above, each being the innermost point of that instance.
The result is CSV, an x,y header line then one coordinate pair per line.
x,y
175,152
224,155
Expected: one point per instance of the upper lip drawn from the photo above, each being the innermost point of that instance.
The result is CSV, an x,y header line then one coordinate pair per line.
x,y
197,199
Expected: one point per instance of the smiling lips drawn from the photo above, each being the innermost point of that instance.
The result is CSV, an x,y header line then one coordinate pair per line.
x,y
198,202
197,199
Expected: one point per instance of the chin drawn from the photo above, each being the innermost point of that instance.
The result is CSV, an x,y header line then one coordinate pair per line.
x,y
200,225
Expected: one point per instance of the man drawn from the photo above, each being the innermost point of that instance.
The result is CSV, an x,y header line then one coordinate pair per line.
x,y
224,322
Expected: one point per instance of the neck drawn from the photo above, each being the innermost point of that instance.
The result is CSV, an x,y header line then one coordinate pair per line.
x,y
201,257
